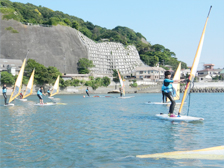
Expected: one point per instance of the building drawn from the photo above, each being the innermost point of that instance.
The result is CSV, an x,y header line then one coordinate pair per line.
x,y
11,65
107,56
209,70
152,73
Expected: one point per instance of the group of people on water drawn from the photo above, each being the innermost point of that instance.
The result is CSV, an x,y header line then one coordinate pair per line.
x,y
167,91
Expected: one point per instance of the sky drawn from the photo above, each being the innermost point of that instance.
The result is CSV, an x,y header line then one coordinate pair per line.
x,y
175,24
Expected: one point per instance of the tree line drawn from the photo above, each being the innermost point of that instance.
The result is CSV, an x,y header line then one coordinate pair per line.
x,y
149,54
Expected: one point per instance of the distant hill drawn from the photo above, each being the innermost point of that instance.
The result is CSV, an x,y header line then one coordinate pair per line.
x,y
29,13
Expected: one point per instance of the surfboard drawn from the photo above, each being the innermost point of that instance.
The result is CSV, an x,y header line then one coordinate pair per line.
x,y
51,97
45,104
125,97
10,104
161,103
22,99
181,118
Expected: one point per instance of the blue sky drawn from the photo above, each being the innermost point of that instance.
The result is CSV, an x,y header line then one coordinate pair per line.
x,y
175,24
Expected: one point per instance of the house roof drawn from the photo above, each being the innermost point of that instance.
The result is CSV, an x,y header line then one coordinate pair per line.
x,y
209,65
219,70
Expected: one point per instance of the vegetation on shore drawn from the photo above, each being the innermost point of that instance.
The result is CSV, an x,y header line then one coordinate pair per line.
x,y
149,54
48,75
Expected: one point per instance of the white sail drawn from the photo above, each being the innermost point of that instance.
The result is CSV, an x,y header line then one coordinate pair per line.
x,y
121,82
176,86
29,87
55,88
18,84
195,64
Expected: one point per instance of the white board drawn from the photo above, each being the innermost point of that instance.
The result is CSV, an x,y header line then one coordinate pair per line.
x,y
161,103
51,97
45,104
10,104
22,99
181,118
125,97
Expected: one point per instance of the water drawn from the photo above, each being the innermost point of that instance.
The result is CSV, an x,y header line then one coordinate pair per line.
x,y
107,132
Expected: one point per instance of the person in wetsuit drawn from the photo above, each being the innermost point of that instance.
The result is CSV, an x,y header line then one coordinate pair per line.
x,y
39,94
4,90
167,90
87,91
48,92
121,92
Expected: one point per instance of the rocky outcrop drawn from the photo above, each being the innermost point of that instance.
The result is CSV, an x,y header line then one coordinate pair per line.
x,y
57,46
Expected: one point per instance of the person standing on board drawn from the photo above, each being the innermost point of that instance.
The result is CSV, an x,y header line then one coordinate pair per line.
x,y
48,92
39,94
121,94
87,91
167,90
21,95
4,90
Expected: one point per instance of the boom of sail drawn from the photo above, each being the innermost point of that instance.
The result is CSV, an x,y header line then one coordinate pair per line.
x,y
195,64
55,88
121,82
18,84
29,87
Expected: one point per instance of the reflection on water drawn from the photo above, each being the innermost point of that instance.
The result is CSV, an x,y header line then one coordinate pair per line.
x,y
106,132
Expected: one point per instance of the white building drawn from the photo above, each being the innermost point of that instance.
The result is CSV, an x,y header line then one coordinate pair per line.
x,y
11,65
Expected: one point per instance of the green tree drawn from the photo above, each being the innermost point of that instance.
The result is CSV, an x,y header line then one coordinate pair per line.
x,y
106,81
7,78
84,64
75,25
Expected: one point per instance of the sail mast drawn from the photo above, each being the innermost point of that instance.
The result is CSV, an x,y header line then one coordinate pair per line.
x,y
195,64
19,80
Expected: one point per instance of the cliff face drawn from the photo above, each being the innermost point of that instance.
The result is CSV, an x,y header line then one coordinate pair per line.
x,y
51,46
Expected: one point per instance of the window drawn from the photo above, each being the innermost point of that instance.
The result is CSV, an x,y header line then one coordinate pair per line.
x,y
141,72
151,71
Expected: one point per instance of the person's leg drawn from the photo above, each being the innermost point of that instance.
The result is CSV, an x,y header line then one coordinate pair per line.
x,y
5,97
173,103
87,93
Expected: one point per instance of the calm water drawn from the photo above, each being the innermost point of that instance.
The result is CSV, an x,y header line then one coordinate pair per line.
x,y
106,132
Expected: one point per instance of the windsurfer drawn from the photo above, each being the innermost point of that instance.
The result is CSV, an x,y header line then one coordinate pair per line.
x,y
39,94
4,90
121,94
87,91
48,92
167,90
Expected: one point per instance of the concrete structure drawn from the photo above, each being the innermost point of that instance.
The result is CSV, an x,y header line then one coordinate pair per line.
x,y
152,73
107,56
11,65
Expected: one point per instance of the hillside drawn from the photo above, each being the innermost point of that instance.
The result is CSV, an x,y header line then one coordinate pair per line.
x,y
29,13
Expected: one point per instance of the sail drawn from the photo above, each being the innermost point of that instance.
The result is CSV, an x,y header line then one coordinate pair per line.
x,y
55,88
176,86
195,63
29,87
121,82
18,84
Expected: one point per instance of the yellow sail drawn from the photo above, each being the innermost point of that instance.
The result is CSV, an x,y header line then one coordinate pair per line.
x,y
195,64
29,87
121,82
55,88
18,84
176,86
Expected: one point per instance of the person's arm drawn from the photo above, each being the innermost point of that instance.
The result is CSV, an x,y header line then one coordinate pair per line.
x,y
178,81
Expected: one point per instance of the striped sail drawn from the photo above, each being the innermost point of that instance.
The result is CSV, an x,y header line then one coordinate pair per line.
x,y
195,64
18,84
121,82
56,87
29,87
176,86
